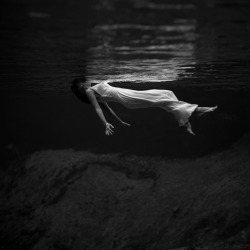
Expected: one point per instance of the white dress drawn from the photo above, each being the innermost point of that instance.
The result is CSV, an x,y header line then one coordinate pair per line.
x,y
134,99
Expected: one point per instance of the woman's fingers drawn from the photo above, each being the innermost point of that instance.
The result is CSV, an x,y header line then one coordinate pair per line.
x,y
110,126
109,130
108,133
124,124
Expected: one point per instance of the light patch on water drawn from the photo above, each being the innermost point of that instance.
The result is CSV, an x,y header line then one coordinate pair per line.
x,y
139,71
155,6
154,53
183,46
166,28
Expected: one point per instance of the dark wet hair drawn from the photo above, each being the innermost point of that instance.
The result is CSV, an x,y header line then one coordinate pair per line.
x,y
75,87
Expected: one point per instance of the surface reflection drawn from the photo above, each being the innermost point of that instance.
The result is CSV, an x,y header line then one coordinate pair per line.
x,y
141,53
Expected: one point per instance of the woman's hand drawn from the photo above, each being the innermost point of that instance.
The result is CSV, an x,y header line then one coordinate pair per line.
x,y
125,124
109,130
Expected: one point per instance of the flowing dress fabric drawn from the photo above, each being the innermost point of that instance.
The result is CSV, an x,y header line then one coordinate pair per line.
x,y
134,99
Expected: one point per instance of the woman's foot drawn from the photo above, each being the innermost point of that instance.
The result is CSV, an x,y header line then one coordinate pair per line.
x,y
189,128
200,111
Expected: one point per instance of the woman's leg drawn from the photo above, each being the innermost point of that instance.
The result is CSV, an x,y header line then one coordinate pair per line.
x,y
199,111
189,128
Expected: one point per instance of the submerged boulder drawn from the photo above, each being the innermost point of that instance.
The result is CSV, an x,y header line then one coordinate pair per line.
x,y
66,199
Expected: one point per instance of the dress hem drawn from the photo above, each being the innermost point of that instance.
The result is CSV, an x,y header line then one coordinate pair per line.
x,y
182,122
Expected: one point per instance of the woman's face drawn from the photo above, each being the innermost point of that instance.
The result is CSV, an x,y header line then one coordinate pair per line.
x,y
84,85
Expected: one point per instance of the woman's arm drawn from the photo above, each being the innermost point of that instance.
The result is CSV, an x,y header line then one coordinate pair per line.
x,y
95,104
111,112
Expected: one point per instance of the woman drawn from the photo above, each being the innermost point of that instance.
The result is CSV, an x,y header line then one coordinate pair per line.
x,y
99,94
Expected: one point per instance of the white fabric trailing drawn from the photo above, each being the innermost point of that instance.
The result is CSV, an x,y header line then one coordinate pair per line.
x,y
134,99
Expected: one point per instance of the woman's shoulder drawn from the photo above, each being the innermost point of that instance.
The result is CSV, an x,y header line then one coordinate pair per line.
x,y
106,82
100,88
100,85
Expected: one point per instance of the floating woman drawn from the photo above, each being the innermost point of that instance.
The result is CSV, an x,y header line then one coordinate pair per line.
x,y
101,94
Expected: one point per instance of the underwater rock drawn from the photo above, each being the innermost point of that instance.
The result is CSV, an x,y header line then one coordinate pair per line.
x,y
66,199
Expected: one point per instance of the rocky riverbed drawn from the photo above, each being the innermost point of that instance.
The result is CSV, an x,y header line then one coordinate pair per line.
x,y
67,199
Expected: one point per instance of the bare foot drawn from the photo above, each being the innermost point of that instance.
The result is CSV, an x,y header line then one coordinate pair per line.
x,y
204,110
189,128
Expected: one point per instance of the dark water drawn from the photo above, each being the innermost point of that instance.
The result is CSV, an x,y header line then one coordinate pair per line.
x,y
198,49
